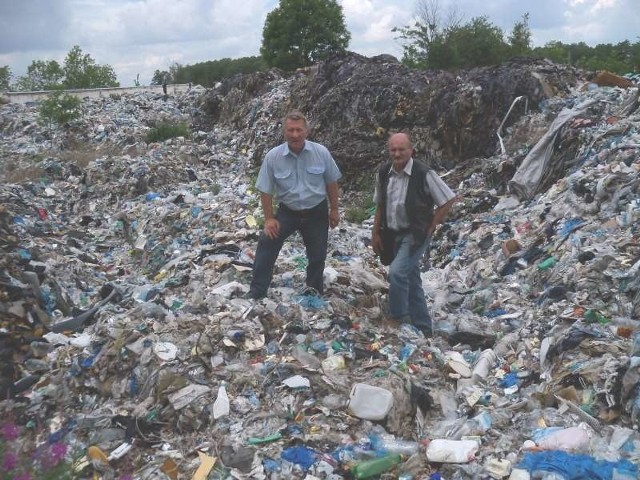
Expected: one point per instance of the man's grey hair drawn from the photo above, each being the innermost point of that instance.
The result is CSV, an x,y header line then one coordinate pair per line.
x,y
296,115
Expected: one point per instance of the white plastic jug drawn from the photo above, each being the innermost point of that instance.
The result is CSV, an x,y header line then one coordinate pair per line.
x,y
369,402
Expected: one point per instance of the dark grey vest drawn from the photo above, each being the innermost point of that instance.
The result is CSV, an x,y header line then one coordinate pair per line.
x,y
419,202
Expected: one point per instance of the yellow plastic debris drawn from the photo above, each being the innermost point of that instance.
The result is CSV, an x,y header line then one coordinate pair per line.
x,y
206,464
251,221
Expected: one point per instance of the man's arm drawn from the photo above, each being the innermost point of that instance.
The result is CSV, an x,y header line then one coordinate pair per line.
x,y
271,225
334,214
440,214
376,240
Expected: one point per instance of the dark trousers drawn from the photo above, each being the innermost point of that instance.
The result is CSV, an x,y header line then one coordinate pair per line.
x,y
313,225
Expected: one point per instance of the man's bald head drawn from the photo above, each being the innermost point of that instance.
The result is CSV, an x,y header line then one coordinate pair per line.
x,y
400,150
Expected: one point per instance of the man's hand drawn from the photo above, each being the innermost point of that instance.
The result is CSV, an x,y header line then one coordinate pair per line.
x,y
272,228
376,242
334,217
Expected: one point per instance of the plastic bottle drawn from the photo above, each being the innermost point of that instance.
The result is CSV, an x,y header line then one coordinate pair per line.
x,y
547,264
394,445
406,351
370,468
480,424
635,348
308,360
221,404
485,362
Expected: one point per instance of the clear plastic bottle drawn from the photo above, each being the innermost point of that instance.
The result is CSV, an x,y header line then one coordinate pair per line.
x,y
635,348
483,365
221,404
394,445
308,360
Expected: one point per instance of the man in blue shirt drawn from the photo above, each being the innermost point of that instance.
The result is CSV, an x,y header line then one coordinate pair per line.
x,y
300,175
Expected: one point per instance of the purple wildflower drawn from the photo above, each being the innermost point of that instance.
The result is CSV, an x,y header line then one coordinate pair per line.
x,y
58,452
9,461
125,477
10,431
23,476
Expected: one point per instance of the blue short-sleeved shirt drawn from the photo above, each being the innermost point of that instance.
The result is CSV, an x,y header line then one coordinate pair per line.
x,y
299,181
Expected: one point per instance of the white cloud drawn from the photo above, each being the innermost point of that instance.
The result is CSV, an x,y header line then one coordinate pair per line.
x,y
135,36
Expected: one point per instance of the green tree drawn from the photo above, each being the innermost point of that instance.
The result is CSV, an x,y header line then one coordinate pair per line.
x,y
520,38
212,71
432,43
5,77
426,39
476,43
160,77
60,107
298,33
81,71
554,51
78,71
42,75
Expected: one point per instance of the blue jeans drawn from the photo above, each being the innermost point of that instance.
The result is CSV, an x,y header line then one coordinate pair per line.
x,y
406,295
313,225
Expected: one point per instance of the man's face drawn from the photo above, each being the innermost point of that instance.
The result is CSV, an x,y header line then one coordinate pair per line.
x,y
295,134
400,151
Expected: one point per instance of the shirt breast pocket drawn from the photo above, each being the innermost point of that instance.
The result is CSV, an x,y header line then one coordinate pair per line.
x,y
315,174
284,179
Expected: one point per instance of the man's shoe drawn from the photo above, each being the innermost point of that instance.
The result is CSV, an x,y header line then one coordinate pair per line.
x,y
254,295
310,292
390,323
426,330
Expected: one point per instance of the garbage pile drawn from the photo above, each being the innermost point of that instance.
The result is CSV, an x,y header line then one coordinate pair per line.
x,y
124,333
355,101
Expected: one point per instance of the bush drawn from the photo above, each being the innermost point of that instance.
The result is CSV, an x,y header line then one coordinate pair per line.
x,y
166,130
60,107
358,214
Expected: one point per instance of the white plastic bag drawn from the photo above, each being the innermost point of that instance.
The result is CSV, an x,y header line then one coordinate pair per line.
x,y
451,451
221,405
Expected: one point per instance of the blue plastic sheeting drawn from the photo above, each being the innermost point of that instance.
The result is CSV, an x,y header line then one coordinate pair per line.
x,y
570,225
303,456
576,466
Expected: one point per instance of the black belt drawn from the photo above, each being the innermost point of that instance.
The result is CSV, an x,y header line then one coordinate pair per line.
x,y
306,211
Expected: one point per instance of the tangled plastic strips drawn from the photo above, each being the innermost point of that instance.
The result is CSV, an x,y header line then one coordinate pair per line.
x,y
311,301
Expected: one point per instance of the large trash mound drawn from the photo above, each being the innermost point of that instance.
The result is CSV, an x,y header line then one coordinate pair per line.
x,y
125,337
354,101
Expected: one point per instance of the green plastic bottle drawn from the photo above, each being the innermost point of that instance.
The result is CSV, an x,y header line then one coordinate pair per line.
x,y
547,264
369,468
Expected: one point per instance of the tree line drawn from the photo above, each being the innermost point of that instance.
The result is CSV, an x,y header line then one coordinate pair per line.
x,y
78,70
292,38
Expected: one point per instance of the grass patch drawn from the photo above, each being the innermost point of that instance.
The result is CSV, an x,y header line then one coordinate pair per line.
x,y
360,210
166,130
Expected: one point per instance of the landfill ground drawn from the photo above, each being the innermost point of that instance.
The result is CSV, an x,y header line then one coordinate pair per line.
x,y
128,350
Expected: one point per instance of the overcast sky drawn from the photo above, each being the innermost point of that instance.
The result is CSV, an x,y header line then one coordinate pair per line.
x,y
141,36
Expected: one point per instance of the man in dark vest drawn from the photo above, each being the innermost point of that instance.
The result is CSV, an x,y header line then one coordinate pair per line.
x,y
411,200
